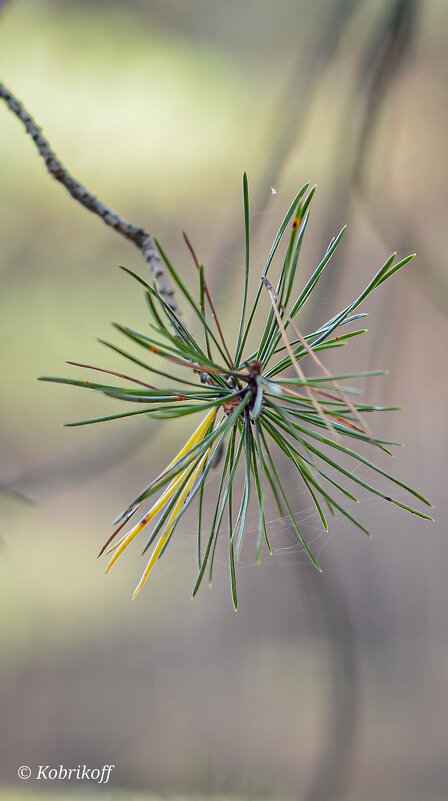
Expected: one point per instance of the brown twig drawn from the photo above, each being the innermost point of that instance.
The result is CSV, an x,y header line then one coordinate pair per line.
x,y
141,238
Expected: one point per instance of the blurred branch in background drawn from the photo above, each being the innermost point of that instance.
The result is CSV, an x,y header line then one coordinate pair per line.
x,y
290,115
292,110
68,468
7,490
334,622
332,618
386,53
390,47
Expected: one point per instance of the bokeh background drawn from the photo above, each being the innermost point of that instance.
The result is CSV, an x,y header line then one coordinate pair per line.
x,y
321,687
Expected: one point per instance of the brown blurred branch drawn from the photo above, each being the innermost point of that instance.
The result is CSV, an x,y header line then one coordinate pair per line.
x,y
289,117
291,114
384,56
141,238
389,48
334,622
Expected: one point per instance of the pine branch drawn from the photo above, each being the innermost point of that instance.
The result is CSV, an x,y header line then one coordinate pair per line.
x,y
254,413
136,234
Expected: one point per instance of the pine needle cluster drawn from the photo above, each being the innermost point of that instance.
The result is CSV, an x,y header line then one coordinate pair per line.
x,y
256,405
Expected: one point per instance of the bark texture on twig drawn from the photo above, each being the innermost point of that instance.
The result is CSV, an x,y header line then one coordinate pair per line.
x,y
136,234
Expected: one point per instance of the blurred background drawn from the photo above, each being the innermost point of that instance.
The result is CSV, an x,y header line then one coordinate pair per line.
x,y
321,687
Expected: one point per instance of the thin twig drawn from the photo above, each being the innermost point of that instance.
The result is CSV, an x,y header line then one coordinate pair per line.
x,y
141,238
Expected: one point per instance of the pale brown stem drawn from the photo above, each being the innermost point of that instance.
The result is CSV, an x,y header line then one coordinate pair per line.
x,y
136,234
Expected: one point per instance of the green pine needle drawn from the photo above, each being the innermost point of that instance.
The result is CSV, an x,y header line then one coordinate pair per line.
x,y
258,407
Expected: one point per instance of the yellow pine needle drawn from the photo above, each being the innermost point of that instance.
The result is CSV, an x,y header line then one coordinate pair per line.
x,y
196,437
123,543
169,525
114,548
